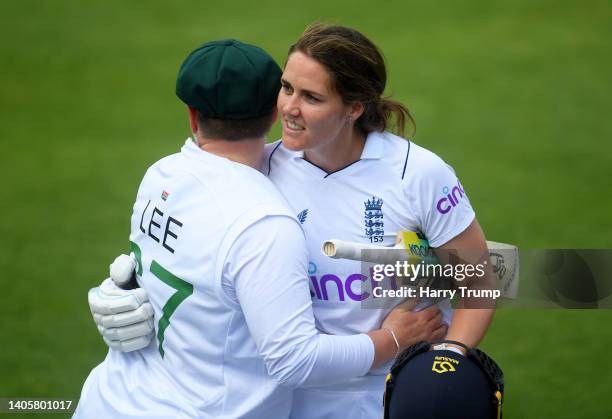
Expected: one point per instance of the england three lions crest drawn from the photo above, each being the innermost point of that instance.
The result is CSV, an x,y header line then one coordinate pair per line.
x,y
373,220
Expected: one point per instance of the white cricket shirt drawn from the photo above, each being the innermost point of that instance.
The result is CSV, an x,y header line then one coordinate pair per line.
x,y
395,186
224,263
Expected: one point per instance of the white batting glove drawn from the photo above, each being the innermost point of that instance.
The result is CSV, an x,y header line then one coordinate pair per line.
x,y
122,270
124,317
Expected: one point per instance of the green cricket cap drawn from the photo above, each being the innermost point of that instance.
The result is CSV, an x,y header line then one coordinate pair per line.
x,y
228,79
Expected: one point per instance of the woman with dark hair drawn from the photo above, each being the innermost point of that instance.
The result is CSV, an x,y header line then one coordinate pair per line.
x,y
349,178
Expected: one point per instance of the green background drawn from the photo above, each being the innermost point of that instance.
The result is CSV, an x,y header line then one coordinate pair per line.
x,y
515,95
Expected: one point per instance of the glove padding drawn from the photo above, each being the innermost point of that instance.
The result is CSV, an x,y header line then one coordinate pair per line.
x,y
124,317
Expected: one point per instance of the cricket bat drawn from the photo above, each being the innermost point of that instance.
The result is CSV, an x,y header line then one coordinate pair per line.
x,y
504,258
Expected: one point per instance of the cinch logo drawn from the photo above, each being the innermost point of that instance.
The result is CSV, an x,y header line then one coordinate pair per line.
x,y
320,287
332,287
451,198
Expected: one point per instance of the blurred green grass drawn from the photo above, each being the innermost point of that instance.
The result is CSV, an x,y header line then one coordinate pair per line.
x,y
515,95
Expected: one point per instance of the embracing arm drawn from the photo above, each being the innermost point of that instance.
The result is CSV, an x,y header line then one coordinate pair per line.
x,y
266,270
470,324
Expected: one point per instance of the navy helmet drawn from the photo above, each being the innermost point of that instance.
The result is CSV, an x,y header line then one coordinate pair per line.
x,y
442,384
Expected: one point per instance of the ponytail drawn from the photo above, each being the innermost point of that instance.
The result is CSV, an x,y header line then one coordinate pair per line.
x,y
401,115
384,114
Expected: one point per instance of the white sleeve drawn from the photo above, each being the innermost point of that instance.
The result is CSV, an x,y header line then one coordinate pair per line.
x,y
444,208
267,269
